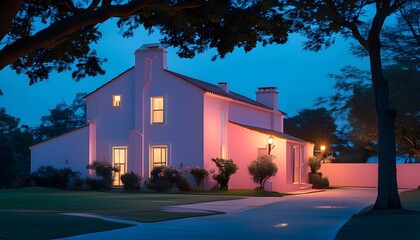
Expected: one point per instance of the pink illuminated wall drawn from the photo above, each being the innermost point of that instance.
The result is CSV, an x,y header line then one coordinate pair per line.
x,y
366,174
244,145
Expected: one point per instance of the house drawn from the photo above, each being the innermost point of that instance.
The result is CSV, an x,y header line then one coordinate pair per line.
x,y
150,116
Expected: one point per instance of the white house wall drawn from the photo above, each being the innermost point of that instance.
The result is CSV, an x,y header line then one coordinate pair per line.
x,y
114,125
182,130
68,150
214,134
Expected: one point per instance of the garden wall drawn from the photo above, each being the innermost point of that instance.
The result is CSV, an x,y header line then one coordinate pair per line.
x,y
366,174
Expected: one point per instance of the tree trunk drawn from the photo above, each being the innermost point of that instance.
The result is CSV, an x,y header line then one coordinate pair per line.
x,y
388,197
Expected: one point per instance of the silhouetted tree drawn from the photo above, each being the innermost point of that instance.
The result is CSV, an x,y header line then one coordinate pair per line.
x,y
314,125
62,119
39,37
321,21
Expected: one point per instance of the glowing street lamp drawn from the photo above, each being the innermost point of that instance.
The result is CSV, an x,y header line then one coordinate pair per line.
x,y
323,148
270,141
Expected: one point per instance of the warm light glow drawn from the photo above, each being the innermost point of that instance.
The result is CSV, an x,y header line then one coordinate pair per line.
x,y
116,100
323,148
157,110
270,140
281,225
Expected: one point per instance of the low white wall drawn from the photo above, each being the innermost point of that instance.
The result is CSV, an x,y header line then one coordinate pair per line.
x,y
366,174
68,150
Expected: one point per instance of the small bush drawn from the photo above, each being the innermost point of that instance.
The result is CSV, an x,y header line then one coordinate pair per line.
x,y
314,164
48,176
225,169
131,181
183,184
94,184
316,180
199,174
325,183
262,169
104,170
162,178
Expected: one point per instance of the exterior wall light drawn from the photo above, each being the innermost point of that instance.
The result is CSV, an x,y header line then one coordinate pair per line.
x,y
270,141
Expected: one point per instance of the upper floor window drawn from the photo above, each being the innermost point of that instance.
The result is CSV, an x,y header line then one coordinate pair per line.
x,y
157,112
116,100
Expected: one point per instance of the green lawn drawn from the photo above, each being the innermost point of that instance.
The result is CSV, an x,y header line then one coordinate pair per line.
x,y
386,224
34,213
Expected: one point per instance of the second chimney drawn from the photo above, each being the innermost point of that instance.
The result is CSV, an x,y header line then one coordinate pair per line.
x,y
224,86
268,96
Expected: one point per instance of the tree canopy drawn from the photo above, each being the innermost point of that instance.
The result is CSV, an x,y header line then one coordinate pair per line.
x,y
39,37
313,125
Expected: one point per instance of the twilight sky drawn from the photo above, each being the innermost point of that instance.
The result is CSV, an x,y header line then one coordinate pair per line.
x,y
300,76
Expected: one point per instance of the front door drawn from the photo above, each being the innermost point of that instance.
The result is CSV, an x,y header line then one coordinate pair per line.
x,y
296,158
119,160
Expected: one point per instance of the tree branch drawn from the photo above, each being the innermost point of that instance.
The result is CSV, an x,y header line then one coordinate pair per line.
x,y
9,9
55,33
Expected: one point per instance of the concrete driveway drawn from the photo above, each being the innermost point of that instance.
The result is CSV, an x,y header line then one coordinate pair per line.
x,y
316,215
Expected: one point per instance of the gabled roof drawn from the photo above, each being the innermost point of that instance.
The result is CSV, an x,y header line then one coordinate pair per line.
x,y
103,85
208,87
271,132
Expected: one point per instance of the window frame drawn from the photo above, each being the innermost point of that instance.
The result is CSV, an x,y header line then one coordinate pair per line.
x,y
154,110
115,103
153,163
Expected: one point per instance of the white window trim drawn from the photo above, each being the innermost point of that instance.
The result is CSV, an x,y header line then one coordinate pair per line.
x,y
114,101
152,110
151,159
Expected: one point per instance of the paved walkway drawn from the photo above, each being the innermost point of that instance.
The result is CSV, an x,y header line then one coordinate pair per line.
x,y
316,215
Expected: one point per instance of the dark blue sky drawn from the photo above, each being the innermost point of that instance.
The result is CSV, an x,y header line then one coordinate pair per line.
x,y
300,76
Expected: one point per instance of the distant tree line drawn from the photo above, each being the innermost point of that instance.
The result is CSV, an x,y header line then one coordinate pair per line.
x,y
15,139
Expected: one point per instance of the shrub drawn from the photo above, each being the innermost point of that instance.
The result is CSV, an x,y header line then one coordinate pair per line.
x,y
314,164
183,184
325,183
225,169
199,174
131,181
94,184
164,177
262,169
48,176
104,170
316,180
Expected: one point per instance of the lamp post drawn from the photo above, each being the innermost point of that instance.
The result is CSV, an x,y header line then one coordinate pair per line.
x,y
321,154
270,141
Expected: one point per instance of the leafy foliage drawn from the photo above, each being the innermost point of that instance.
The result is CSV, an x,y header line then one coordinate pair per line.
x,y
131,181
164,177
314,164
104,170
199,174
14,149
314,125
261,169
62,119
226,167
48,176
45,36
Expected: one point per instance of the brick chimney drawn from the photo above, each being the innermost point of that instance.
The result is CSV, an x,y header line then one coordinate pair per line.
x,y
224,86
268,96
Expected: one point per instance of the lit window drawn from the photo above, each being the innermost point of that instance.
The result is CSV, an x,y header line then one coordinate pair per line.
x,y
159,156
157,110
116,100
